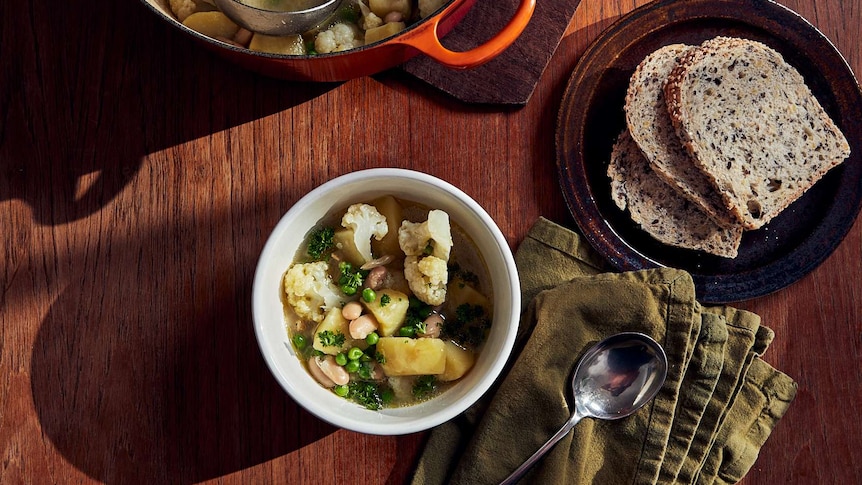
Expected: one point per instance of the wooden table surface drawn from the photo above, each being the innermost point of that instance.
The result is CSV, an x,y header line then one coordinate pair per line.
x,y
139,178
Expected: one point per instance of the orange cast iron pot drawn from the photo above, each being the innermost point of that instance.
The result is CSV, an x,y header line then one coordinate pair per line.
x,y
421,37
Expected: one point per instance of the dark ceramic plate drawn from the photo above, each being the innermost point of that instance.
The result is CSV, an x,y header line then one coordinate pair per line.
x,y
591,117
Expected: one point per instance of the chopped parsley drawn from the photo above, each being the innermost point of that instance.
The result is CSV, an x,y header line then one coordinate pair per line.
x,y
366,394
350,280
470,325
414,322
385,300
424,386
468,277
321,242
331,339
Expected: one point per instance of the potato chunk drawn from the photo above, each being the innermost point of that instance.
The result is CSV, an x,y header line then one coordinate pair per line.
x,y
336,325
383,32
427,7
461,292
212,24
383,7
458,362
390,315
394,214
405,356
346,244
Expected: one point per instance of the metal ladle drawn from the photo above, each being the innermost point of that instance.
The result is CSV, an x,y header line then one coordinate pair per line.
x,y
278,17
613,379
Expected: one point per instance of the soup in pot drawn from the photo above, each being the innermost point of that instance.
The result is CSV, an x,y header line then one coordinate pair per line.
x,y
356,23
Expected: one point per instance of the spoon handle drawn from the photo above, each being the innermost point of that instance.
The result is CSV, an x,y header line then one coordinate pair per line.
x,y
517,474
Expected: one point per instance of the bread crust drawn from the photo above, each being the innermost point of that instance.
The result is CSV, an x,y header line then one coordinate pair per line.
x,y
661,211
751,124
650,126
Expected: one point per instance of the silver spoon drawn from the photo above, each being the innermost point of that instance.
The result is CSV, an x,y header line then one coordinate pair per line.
x,y
278,17
613,379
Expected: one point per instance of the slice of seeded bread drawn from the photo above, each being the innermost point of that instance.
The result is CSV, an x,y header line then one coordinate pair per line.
x,y
651,127
750,122
661,211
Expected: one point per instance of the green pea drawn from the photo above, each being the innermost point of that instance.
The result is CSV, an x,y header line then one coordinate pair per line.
x,y
365,372
369,295
372,338
407,331
341,390
348,290
352,366
299,341
340,359
354,354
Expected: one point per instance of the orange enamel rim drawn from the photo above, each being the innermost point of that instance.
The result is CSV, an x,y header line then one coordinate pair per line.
x,y
426,40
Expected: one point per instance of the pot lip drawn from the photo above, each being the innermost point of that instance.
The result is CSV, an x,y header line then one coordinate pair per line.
x,y
273,56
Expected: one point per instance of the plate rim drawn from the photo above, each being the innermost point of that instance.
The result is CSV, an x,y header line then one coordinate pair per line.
x,y
631,29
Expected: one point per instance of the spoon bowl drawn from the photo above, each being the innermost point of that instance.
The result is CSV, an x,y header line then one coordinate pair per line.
x,y
612,380
278,17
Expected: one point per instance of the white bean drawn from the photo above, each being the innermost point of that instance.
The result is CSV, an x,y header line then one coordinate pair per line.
x,y
318,374
352,310
394,16
333,371
433,325
375,278
377,373
362,326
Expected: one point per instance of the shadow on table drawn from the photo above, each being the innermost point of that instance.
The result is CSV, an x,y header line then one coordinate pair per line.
x,y
89,91
156,381
155,376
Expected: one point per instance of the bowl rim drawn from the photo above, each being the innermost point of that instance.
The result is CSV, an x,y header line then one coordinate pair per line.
x,y
383,424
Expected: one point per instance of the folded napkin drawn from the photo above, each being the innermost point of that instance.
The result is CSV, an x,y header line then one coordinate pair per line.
x,y
717,407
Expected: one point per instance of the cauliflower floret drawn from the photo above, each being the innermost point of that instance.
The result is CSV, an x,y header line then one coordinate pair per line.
x,y
366,222
339,37
310,290
370,20
433,236
427,278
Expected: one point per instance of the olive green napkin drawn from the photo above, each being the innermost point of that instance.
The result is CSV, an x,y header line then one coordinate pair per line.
x,y
706,425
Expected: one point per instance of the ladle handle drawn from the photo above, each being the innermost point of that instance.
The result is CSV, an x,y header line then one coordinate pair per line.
x,y
426,40
517,474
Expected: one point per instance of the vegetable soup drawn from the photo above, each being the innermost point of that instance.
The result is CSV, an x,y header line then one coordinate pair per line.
x,y
354,24
387,303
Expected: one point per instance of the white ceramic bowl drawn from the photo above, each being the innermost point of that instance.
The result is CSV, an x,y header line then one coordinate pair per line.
x,y
282,245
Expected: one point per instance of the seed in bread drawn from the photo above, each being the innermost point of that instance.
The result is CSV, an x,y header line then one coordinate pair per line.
x,y
750,122
659,210
650,125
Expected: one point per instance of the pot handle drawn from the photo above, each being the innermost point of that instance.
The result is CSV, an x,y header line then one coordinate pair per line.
x,y
425,39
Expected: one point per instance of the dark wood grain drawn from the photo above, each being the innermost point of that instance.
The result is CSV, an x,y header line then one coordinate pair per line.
x,y
510,78
139,178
